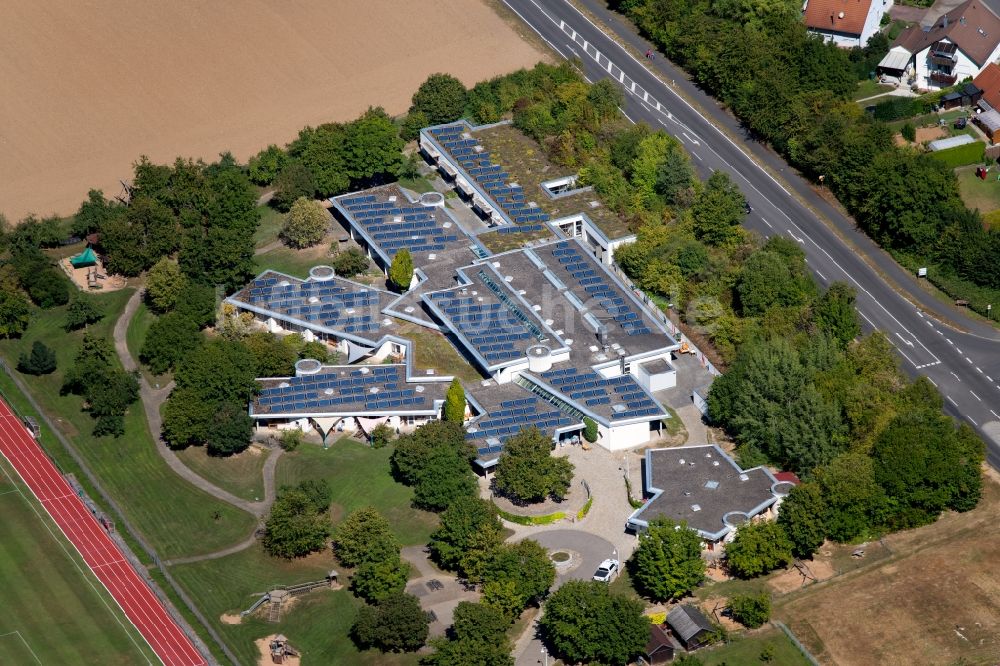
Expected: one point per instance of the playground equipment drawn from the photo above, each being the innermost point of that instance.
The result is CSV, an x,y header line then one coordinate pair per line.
x,y
281,649
279,595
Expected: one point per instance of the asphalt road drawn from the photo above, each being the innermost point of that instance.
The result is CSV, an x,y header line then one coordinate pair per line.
x,y
964,364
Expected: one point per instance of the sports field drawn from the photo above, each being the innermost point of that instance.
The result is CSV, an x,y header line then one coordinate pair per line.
x,y
54,610
89,87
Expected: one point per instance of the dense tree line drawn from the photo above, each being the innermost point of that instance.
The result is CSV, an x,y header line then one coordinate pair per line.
x,y
794,90
107,389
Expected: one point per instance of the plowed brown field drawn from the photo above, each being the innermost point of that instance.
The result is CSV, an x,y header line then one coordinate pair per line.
x,y
86,86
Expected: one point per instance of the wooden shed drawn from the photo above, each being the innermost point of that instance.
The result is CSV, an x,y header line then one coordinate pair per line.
x,y
662,646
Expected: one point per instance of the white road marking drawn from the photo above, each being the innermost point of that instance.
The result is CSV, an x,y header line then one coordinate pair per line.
x,y
821,276
995,414
905,341
976,396
951,400
767,223
955,376
932,382
697,155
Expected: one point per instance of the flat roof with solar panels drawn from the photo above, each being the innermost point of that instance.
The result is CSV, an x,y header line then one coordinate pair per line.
x,y
348,390
390,221
585,302
609,400
490,179
497,327
503,411
323,302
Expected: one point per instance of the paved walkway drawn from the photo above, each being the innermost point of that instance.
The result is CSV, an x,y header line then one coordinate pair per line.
x,y
438,592
152,399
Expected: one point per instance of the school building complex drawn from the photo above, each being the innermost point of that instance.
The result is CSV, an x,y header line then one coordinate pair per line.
x,y
556,335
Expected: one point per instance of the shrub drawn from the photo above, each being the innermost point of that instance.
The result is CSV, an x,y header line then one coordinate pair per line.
x,y
290,439
969,153
350,263
751,610
909,132
401,270
590,431
41,360
381,436
306,224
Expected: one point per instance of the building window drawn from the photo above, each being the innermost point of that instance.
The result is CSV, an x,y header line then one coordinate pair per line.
x,y
397,350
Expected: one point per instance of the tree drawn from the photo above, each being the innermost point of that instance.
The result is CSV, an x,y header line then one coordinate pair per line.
x,y
395,624
454,403
921,464
82,311
667,565
94,213
527,470
137,239
675,178
306,224
381,436
318,491
835,314
374,581
478,636
349,263
802,518
169,339
41,360
854,500
718,210
265,166
164,285
590,431
525,564
446,477
364,536
15,314
413,450
441,99
107,389
401,270
272,357
412,124
294,528
585,622
751,610
294,182
231,431
469,528
372,149
196,301
757,548
775,275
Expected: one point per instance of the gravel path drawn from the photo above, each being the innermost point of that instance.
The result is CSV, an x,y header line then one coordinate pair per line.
x,y
152,399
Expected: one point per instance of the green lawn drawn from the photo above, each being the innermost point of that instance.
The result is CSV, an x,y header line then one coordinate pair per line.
x,y
177,518
55,610
977,193
240,474
418,184
270,225
295,262
135,336
433,350
358,476
870,88
748,650
317,625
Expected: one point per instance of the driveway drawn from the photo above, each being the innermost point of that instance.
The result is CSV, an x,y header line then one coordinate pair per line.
x,y
587,550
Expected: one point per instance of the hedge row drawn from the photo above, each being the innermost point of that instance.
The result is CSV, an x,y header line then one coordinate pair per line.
x,y
969,153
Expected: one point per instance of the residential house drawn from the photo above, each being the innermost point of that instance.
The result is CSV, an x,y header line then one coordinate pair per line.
x,y
662,647
988,82
690,626
846,23
957,46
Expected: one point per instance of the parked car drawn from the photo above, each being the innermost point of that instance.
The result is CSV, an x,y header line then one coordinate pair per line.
x,y
961,122
607,571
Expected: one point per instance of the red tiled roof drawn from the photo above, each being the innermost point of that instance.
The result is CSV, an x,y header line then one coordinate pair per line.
x,y
989,82
847,16
971,25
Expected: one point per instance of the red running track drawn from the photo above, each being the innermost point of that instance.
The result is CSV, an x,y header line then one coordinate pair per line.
x,y
101,554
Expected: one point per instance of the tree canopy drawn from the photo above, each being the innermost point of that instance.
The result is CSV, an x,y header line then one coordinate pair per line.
x,y
306,224
294,527
395,624
401,270
164,284
441,99
758,547
469,529
364,537
527,470
41,360
454,403
584,622
667,565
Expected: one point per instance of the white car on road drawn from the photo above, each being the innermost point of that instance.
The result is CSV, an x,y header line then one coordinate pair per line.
x,y
607,571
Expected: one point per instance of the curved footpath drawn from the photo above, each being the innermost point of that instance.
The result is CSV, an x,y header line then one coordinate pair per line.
x,y
152,399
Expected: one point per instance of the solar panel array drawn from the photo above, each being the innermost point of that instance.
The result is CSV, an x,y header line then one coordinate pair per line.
x,y
588,388
375,388
523,229
399,224
508,420
343,306
596,285
498,329
490,176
